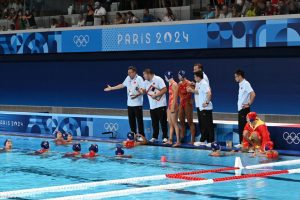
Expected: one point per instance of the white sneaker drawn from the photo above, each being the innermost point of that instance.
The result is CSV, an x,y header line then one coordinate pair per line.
x,y
251,151
165,140
152,140
208,145
238,146
198,144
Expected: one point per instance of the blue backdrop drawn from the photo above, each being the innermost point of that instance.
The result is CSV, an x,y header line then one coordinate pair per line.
x,y
81,83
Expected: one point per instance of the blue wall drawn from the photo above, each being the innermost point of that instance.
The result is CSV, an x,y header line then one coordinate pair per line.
x,y
80,84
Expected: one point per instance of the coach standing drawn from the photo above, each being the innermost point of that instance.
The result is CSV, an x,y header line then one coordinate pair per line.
x,y
205,107
245,100
134,83
155,88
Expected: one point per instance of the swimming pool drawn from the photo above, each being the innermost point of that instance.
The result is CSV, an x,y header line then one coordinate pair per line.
x,y
22,171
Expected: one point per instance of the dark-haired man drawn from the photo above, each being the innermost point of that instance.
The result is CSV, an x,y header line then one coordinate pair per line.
x,y
205,108
245,100
134,83
155,88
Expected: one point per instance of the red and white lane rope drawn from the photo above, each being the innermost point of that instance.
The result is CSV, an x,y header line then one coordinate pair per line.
x,y
85,186
134,191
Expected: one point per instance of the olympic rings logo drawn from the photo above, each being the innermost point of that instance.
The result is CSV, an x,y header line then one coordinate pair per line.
x,y
111,127
81,40
291,138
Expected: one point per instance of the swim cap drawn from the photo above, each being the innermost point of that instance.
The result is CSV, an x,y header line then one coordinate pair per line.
x,y
272,154
76,147
269,146
119,151
7,140
65,136
129,144
181,73
45,145
168,75
252,116
94,148
215,146
130,136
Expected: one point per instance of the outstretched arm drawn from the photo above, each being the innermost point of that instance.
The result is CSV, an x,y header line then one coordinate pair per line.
x,y
117,87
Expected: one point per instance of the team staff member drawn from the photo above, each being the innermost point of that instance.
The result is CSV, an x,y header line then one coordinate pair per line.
x,y
198,68
155,88
245,100
205,107
134,83
185,106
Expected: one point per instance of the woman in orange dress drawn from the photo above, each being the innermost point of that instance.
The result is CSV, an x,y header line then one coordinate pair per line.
x,y
173,109
185,106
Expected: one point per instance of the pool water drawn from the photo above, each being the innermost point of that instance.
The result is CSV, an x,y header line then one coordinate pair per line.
x,y
19,170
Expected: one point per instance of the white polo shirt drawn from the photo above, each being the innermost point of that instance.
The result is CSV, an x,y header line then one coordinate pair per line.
x,y
149,86
203,88
133,86
196,95
244,93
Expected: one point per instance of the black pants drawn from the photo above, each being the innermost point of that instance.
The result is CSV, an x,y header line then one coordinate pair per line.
x,y
207,126
135,114
242,121
159,115
199,119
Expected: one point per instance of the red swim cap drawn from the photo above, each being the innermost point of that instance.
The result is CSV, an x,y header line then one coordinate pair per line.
x,y
252,116
272,154
129,144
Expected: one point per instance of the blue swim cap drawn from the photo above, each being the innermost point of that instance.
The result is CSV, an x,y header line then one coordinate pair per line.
x,y
182,73
215,146
76,147
130,136
45,145
119,151
169,75
65,136
94,148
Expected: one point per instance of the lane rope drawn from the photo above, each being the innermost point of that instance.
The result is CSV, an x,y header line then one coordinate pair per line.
x,y
134,191
89,185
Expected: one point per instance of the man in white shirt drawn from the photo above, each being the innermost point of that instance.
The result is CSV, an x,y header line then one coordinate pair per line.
x,y
155,88
245,100
99,14
205,108
198,68
133,83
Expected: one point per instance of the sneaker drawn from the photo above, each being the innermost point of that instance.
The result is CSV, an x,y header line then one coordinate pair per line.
x,y
165,140
238,146
198,144
208,145
251,151
152,140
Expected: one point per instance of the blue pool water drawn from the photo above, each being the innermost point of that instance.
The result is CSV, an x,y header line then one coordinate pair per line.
x,y
18,170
